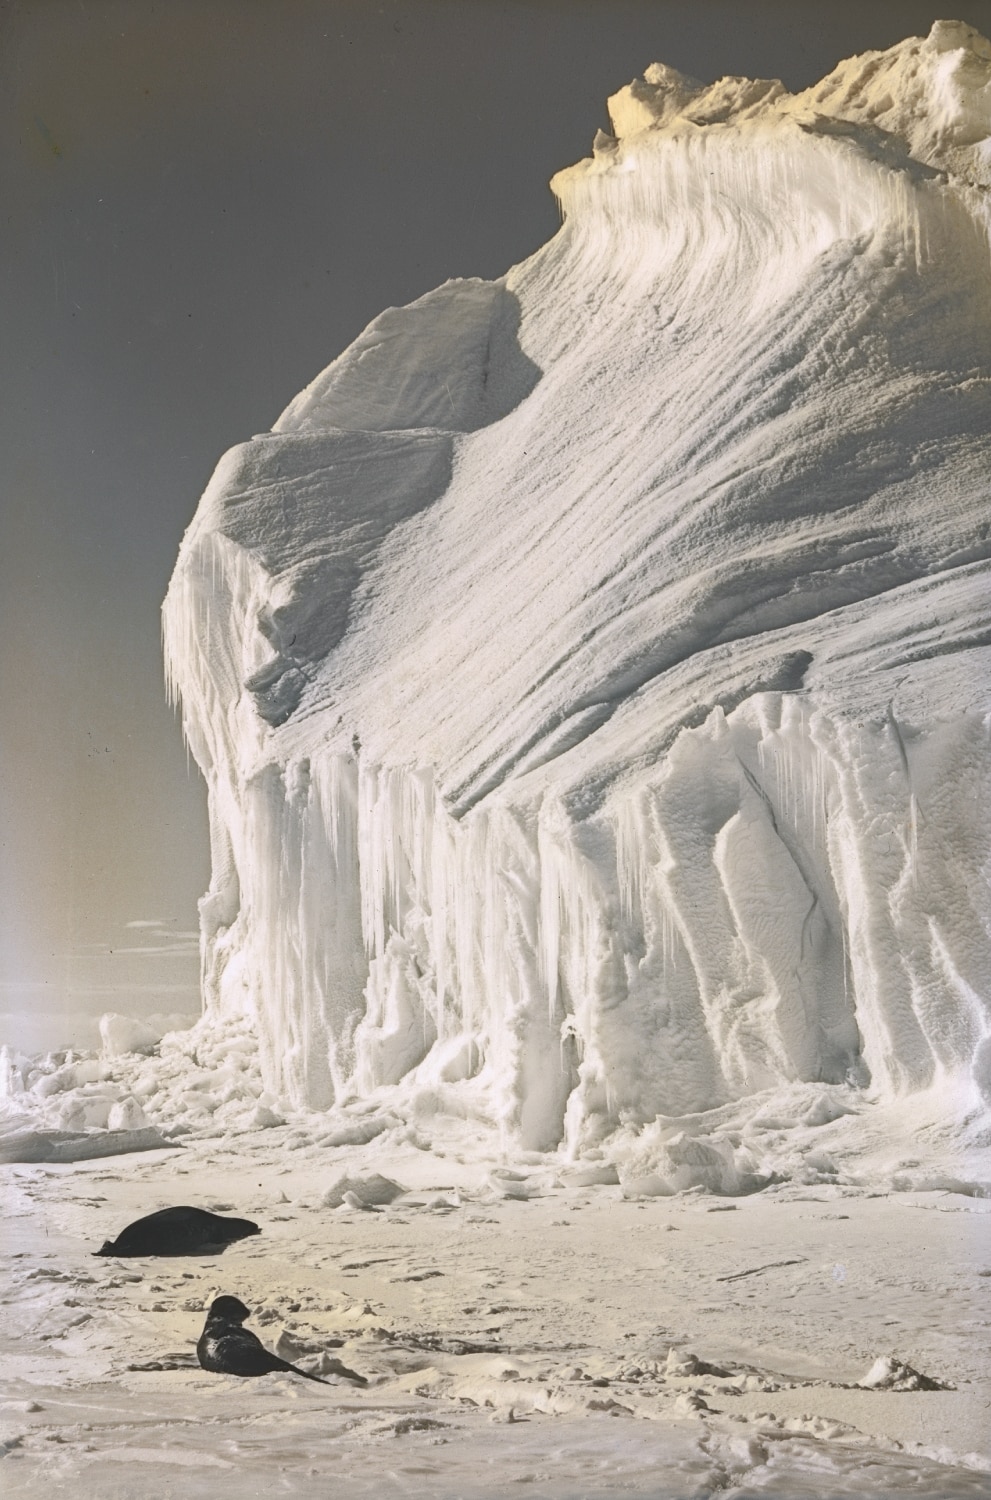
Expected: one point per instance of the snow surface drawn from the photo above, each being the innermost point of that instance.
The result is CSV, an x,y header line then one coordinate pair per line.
x,y
562,1339
590,669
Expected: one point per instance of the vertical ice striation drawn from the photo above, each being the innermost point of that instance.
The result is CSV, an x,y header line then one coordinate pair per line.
x,y
591,670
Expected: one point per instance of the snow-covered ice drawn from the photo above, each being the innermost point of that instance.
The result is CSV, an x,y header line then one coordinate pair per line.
x,y
590,674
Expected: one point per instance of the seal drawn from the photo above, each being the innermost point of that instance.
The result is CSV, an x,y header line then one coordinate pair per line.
x,y
225,1348
179,1231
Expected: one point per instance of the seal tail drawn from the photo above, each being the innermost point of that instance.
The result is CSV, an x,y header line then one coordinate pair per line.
x,y
336,1369
307,1375
105,1249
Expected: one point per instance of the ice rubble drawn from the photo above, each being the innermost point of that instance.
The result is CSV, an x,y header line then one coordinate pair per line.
x,y
69,1105
590,669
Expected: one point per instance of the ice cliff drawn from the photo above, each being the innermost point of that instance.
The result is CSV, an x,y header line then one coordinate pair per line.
x,y
590,670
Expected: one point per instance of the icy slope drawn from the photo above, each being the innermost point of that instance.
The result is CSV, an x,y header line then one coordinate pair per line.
x,y
590,671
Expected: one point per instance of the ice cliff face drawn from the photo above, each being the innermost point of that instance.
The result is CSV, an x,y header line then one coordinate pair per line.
x,y
590,670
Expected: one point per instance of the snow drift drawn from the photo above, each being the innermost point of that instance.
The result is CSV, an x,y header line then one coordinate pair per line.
x,y
590,669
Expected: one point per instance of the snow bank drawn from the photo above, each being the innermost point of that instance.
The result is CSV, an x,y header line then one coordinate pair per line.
x,y
590,670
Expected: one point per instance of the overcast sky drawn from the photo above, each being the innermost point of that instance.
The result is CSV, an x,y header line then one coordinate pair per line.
x,y
204,201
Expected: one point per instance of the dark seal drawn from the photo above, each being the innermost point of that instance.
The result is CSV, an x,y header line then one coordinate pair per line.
x,y
225,1348
179,1231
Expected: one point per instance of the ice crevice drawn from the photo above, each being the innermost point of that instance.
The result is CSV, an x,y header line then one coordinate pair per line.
x,y
590,670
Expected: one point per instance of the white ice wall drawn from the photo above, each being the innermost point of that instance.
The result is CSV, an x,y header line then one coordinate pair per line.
x,y
590,672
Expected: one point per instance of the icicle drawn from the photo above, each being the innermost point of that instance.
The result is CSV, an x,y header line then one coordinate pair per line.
x,y
913,838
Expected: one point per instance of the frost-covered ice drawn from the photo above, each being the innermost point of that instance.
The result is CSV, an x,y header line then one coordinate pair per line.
x,y
590,669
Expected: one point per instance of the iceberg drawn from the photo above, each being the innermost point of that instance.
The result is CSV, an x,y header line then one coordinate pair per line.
x,y
590,670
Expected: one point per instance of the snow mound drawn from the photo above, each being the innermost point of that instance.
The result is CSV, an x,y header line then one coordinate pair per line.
x,y
668,1162
590,671
890,1374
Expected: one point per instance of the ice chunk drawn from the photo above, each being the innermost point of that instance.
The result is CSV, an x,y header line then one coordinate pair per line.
x,y
264,1118
61,1145
683,1363
512,1185
605,1175
371,1191
126,1114
121,1034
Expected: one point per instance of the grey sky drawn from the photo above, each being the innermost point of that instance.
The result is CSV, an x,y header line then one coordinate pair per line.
x,y
204,201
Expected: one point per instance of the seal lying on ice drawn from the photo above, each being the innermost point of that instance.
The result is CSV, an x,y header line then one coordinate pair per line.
x,y
179,1231
225,1348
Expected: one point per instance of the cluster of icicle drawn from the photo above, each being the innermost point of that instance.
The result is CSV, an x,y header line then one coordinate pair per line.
x,y
790,897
